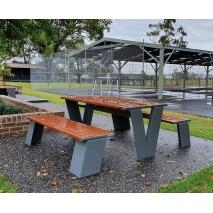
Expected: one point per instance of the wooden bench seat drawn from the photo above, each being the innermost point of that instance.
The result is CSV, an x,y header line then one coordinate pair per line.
x,y
182,126
89,141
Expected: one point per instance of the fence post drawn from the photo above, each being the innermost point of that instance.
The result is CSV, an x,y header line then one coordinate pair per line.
x,y
212,91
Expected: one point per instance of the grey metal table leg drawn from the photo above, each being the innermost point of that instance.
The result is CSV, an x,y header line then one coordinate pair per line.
x,y
183,134
139,133
87,157
34,133
11,92
153,130
73,110
88,113
120,122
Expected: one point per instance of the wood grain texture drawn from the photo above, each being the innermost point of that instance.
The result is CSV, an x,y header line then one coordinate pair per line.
x,y
76,130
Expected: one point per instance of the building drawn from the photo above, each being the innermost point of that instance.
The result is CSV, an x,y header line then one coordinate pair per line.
x,y
21,72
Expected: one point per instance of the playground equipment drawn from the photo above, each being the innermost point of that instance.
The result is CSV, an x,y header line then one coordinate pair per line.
x,y
99,81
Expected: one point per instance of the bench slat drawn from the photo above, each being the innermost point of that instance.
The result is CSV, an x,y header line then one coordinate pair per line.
x,y
167,118
76,130
63,124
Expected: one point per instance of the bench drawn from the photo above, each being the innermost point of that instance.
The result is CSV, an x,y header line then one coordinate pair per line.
x,y
89,141
182,127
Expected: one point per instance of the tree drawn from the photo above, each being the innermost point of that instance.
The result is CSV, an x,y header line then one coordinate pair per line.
x,y
179,74
4,70
165,34
94,68
24,37
48,36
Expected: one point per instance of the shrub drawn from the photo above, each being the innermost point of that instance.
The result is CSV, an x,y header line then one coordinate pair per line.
x,y
2,106
7,109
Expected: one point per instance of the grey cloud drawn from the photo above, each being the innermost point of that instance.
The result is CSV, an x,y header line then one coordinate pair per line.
x,y
199,31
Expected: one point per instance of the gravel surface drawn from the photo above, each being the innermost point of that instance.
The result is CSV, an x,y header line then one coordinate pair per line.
x,y
37,168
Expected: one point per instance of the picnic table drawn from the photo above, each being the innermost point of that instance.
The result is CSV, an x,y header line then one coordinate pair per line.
x,y
8,90
121,110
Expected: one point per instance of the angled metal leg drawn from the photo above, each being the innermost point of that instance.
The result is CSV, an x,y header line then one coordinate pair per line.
x,y
11,92
34,133
139,133
183,134
153,130
88,113
87,157
73,110
120,122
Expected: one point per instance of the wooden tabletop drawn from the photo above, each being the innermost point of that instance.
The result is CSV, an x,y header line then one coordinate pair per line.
x,y
114,102
6,87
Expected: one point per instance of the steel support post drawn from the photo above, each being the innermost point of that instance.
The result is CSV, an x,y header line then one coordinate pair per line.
x,y
160,81
119,74
184,79
207,76
156,76
69,74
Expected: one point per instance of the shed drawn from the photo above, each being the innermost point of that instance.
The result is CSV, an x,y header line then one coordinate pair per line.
x,y
21,72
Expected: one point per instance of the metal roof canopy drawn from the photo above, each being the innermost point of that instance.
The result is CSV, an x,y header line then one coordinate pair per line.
x,y
132,51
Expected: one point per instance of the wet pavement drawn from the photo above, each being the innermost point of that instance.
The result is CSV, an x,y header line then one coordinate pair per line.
x,y
196,106
201,107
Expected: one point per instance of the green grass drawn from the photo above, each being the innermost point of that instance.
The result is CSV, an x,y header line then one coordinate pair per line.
x,y
201,181
199,126
6,186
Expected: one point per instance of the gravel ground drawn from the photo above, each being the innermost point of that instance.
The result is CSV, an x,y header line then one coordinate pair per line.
x,y
34,169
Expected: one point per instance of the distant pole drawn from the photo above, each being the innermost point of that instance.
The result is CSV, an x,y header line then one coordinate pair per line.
x,y
156,76
68,73
184,79
85,62
207,76
142,70
119,80
212,94
207,79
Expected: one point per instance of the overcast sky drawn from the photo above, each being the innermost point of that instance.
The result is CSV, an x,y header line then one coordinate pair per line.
x,y
199,31
130,18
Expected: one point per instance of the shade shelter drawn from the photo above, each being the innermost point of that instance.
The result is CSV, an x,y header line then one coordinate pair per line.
x,y
110,50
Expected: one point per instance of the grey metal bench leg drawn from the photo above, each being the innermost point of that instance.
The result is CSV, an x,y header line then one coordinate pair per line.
x,y
183,134
73,110
11,92
153,130
120,122
34,133
87,157
88,113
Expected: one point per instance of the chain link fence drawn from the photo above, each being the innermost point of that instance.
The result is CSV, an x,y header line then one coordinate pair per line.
x,y
95,72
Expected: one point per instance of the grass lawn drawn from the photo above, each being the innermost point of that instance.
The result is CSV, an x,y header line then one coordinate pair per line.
x,y
6,186
199,126
201,181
